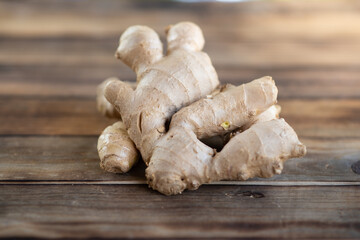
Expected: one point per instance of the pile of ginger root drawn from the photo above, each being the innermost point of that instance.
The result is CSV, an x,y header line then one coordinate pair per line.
x,y
177,112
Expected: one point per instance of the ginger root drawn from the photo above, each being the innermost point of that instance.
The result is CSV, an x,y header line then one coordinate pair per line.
x,y
177,106
103,105
116,150
165,83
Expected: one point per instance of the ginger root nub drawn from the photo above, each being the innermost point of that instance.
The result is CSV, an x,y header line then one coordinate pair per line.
x,y
259,151
185,35
139,47
103,105
116,150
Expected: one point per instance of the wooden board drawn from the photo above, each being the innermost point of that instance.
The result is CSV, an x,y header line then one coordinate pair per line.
x,y
256,22
75,160
54,53
54,81
326,118
210,212
308,48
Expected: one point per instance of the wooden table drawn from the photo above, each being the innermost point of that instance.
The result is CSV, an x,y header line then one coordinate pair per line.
x,y
54,53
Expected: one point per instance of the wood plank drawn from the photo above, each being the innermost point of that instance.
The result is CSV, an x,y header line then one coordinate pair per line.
x,y
81,80
99,211
336,119
300,82
266,20
263,34
51,116
80,75
72,159
328,127
235,53
308,49
54,53
56,158
326,118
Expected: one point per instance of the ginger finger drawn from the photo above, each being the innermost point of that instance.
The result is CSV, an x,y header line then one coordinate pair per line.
x,y
271,113
228,110
180,161
185,35
259,151
116,150
219,141
139,46
119,94
103,105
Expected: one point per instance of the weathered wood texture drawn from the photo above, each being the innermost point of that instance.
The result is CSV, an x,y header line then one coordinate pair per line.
x,y
76,159
65,49
222,211
326,118
54,53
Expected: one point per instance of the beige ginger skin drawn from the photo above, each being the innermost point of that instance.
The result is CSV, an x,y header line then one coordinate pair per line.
x,y
117,151
177,103
165,83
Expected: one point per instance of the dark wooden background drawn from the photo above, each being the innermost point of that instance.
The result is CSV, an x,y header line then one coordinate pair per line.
x,y
54,53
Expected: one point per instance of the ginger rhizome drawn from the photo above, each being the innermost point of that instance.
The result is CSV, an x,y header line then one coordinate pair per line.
x,y
117,151
165,83
178,106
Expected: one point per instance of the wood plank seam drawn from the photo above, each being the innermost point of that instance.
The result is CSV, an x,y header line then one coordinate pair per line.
x,y
142,182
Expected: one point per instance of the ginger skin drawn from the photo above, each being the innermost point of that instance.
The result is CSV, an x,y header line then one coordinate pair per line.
x,y
165,83
103,105
177,102
257,152
246,155
205,117
116,150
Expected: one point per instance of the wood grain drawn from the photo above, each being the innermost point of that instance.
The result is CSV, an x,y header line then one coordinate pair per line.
x,y
326,118
66,50
51,116
265,21
61,80
56,158
76,159
53,55
210,212
239,53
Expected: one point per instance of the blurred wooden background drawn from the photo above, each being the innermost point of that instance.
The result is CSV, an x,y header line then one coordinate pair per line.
x,y
54,53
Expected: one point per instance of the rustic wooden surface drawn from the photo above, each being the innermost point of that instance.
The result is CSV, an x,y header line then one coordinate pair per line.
x,y
54,53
